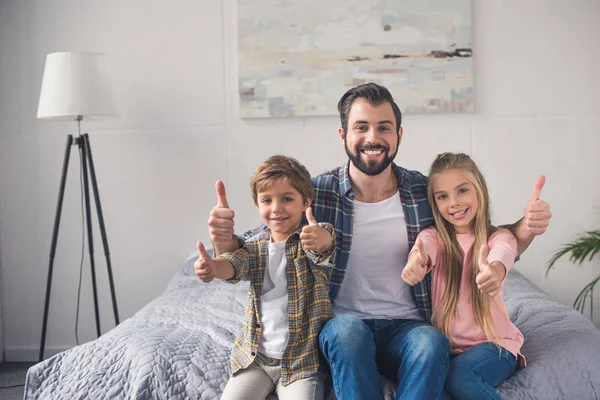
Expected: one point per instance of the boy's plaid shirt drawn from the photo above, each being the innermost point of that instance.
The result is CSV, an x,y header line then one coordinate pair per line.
x,y
333,203
309,306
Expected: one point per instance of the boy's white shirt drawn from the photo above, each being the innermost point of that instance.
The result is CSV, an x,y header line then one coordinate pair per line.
x,y
274,304
373,287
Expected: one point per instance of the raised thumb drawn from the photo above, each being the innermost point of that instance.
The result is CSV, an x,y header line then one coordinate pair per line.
x,y
483,255
221,195
537,189
309,217
202,251
421,251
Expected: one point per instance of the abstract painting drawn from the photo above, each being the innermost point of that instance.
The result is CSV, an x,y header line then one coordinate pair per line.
x,y
298,57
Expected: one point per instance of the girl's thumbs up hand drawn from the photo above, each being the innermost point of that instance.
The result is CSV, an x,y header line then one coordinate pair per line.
x,y
490,276
416,267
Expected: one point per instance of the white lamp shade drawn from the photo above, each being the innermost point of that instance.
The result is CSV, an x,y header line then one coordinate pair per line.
x,y
75,84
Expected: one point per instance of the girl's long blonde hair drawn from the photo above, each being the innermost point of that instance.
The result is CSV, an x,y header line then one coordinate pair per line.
x,y
453,254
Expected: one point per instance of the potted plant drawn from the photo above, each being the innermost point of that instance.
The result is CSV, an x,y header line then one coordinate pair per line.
x,y
581,249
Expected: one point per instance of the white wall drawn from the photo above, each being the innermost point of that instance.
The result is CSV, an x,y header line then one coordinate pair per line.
x,y
174,72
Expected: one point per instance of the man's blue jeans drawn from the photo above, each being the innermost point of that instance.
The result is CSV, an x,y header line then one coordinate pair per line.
x,y
413,353
475,373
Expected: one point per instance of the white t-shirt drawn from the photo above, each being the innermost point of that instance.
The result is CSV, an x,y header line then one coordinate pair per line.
x,y
373,287
274,304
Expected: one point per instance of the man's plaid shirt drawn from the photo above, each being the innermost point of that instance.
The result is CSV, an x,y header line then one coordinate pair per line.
x,y
334,203
309,307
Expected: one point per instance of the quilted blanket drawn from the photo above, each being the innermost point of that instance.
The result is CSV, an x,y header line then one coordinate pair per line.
x,y
177,347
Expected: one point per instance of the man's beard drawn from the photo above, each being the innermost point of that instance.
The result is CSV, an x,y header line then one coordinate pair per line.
x,y
371,167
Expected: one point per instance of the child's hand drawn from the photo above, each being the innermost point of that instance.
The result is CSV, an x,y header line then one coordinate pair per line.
x,y
490,276
313,236
416,267
204,265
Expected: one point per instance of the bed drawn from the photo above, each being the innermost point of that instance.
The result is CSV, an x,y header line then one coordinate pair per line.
x,y
177,347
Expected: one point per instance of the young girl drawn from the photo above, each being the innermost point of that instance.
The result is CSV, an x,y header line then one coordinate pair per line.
x,y
469,259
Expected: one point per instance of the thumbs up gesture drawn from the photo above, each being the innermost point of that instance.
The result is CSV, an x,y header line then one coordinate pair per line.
x,y
313,236
204,265
416,267
220,223
490,276
537,212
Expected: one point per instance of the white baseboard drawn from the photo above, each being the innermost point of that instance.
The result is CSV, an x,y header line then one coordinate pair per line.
x,y
30,354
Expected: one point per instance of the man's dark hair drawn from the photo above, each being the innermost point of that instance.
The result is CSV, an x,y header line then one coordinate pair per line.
x,y
373,93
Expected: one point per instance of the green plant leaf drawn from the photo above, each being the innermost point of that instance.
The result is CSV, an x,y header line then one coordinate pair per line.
x,y
581,298
581,249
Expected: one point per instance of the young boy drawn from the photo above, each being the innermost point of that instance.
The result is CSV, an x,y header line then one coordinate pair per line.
x,y
288,267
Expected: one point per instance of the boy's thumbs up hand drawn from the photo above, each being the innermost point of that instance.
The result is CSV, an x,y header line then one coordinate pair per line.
x,y
309,217
416,267
490,276
313,236
204,265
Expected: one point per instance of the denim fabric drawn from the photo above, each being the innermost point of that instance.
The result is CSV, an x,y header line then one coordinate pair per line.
x,y
475,373
413,353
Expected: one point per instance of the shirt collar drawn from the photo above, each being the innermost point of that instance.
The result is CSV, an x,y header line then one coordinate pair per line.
x,y
266,234
344,179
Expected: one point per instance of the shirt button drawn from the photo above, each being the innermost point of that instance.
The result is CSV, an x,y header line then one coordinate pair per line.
x,y
252,353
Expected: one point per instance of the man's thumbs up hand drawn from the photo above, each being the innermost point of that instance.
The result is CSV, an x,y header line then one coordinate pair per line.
x,y
220,223
537,211
221,195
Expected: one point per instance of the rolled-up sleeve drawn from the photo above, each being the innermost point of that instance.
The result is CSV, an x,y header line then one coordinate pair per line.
x,y
324,258
240,260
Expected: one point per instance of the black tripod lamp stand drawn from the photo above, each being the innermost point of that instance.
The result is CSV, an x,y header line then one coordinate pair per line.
x,y
76,86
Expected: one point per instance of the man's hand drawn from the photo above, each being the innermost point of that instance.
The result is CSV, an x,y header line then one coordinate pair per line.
x,y
313,236
220,223
535,220
537,211
204,265
490,276
416,267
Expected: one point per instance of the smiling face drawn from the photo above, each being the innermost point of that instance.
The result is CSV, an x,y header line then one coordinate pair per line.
x,y
371,139
281,207
456,199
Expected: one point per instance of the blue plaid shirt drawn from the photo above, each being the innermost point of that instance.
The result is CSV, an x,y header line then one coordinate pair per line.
x,y
334,203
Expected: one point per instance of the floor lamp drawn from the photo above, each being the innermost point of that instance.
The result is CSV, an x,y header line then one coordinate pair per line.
x,y
76,86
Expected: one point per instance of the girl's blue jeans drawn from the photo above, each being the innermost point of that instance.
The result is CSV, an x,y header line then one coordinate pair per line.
x,y
475,373
413,353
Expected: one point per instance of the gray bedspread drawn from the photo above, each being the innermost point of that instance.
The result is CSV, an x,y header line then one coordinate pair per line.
x,y
177,347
